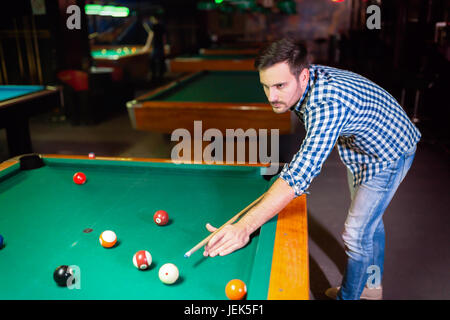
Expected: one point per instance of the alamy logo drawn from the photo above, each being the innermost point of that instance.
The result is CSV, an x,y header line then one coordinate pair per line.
x,y
74,20
258,151
74,281
374,20
374,280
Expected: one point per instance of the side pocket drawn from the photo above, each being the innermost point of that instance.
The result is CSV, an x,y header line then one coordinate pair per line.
x,y
381,181
409,158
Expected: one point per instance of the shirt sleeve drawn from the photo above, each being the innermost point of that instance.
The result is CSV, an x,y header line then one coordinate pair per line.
x,y
323,124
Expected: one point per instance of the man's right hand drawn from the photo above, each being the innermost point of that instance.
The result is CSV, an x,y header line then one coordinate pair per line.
x,y
231,238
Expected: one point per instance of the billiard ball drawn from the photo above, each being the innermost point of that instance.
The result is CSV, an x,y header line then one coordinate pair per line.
x,y
1,241
236,289
161,217
62,275
108,239
91,155
168,273
142,259
79,178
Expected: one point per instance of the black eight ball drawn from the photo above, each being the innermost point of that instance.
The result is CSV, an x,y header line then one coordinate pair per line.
x,y
62,274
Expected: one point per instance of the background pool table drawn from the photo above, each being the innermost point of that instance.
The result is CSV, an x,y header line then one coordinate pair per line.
x,y
17,104
228,51
220,99
211,62
44,216
132,61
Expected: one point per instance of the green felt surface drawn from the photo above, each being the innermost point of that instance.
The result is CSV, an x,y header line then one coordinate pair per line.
x,y
14,91
217,86
43,215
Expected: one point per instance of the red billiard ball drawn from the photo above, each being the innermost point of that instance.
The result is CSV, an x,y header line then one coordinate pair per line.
x,y
161,217
79,178
142,259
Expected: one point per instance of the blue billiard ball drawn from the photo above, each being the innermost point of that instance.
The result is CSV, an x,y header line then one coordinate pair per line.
x,y
1,241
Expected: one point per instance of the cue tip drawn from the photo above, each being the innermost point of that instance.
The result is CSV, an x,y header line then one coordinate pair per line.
x,y
187,255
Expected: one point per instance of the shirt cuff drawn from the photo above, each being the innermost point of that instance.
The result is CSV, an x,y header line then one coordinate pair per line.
x,y
287,176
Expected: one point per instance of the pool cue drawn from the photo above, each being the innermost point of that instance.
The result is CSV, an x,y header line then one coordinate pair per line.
x,y
29,49
3,75
36,49
19,49
206,240
93,35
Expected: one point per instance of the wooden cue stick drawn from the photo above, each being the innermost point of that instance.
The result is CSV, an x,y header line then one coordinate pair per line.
x,y
206,240
29,48
19,49
36,49
4,74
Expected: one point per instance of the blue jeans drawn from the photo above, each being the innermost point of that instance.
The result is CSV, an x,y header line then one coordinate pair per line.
x,y
364,230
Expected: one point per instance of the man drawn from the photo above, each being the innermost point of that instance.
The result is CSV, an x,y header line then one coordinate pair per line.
x,y
157,39
375,140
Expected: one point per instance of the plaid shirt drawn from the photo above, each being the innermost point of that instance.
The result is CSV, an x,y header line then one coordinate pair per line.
x,y
370,128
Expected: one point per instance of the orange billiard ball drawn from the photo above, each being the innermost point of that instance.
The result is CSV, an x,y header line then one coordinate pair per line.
x,y
236,289
108,239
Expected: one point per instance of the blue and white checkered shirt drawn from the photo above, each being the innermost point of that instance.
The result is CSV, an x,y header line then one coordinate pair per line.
x,y
368,125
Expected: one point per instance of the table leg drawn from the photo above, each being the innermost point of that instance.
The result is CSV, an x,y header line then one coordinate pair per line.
x,y
18,136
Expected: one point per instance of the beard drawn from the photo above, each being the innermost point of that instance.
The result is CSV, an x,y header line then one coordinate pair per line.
x,y
278,106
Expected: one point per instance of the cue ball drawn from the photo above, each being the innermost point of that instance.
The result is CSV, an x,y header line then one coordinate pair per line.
x,y
161,217
79,178
168,273
62,274
236,289
142,259
91,155
108,239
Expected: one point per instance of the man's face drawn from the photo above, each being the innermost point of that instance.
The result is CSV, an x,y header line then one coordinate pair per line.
x,y
282,88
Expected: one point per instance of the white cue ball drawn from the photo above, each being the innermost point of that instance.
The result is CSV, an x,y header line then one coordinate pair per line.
x,y
168,273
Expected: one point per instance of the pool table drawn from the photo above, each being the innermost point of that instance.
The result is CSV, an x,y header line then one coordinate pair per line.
x,y
200,62
220,99
47,220
228,51
17,104
130,61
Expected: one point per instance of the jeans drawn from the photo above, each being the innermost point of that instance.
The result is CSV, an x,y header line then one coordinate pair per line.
x,y
364,230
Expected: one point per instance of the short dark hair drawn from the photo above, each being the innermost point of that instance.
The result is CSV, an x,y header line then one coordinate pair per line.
x,y
284,50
